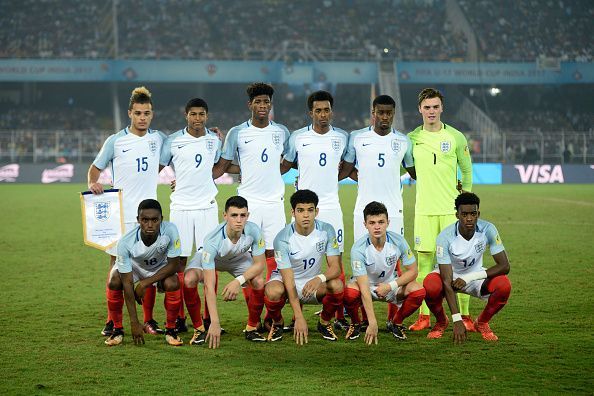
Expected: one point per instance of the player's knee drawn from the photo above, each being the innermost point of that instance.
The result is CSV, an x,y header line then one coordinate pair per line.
x,y
171,283
114,282
351,294
335,285
502,285
432,285
274,291
257,283
413,286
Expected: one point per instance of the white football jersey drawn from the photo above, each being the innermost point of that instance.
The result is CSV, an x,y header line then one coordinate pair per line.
x,y
318,157
219,250
378,159
258,152
192,160
380,266
467,256
304,253
134,166
134,255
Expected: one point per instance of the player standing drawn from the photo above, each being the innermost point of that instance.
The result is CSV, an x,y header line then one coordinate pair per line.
x,y
258,145
299,249
438,151
460,249
133,154
192,152
237,247
373,260
147,254
377,152
318,150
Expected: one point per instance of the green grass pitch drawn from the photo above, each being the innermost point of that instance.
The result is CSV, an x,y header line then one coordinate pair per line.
x,y
52,309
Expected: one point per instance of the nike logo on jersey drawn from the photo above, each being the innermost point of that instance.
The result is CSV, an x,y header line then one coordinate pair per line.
x,y
293,253
247,141
125,151
369,265
367,144
183,145
308,144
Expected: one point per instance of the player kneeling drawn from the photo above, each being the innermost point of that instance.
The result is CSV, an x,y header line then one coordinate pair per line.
x,y
227,248
298,251
460,249
147,255
373,260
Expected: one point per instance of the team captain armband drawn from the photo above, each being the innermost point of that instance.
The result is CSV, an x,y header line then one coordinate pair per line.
x,y
476,275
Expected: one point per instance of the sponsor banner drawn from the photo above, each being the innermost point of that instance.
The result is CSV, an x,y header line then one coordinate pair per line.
x,y
28,70
545,174
73,173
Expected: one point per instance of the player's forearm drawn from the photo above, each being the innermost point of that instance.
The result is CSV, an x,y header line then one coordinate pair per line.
x,y
165,272
255,269
345,170
285,166
333,270
93,175
450,295
408,276
220,168
130,300
466,172
210,295
289,282
368,305
501,266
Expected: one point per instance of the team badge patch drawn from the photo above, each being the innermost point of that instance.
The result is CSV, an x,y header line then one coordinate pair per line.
x,y
102,211
278,256
334,243
162,248
439,251
276,139
152,146
205,256
391,261
210,145
395,146
409,253
445,146
480,247
357,266
336,144
261,243
320,246
177,244
498,240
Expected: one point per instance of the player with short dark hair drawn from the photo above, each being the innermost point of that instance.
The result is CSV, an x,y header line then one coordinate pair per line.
x,y
438,151
373,260
258,145
237,247
460,248
147,254
133,154
299,249
193,153
318,150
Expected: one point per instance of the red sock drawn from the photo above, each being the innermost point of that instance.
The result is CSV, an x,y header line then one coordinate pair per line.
x,y
275,309
247,292
172,302
392,311
115,304
340,308
434,296
107,292
411,303
500,289
255,306
270,266
180,278
148,303
352,302
193,305
330,303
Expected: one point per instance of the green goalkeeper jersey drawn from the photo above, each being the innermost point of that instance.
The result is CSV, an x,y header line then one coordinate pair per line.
x,y
437,156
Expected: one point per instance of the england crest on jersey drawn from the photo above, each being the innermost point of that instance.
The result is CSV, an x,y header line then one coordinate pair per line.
x,y
276,139
480,247
152,146
391,261
395,146
102,210
445,146
336,145
320,246
210,145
